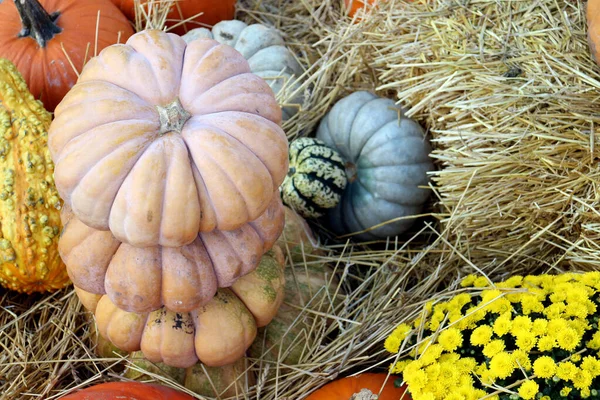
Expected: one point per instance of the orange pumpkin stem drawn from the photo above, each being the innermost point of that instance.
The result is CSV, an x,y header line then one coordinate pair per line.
x,y
37,23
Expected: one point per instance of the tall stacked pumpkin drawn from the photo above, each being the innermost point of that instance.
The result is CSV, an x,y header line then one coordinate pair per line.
x,y
169,156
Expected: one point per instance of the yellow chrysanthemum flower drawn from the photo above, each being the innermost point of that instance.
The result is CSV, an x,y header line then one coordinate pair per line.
x,y
540,326
546,343
568,339
526,341
582,379
502,324
502,365
398,367
481,335
528,389
416,380
431,354
544,367
481,282
521,359
468,280
591,365
494,347
566,370
450,339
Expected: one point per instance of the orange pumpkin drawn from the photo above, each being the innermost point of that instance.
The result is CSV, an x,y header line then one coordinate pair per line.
x,y
593,24
217,333
352,6
127,391
160,140
181,10
180,278
34,34
345,388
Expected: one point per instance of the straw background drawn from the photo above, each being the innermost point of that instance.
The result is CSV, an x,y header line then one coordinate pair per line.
x,y
508,92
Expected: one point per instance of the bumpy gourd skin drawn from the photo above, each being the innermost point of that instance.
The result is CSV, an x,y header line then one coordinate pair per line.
x,y
29,203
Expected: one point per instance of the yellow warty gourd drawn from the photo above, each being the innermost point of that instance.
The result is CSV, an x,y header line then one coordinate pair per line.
x,y
29,203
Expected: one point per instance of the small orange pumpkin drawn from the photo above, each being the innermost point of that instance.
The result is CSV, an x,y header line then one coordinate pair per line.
x,y
36,35
345,388
182,10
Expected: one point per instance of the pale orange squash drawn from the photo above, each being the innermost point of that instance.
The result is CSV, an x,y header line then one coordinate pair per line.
x,y
160,140
179,278
216,334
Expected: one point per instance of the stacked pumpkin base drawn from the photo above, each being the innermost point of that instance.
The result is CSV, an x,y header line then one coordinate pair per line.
x,y
217,333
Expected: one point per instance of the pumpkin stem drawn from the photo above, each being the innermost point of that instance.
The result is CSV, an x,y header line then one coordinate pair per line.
x,y
37,23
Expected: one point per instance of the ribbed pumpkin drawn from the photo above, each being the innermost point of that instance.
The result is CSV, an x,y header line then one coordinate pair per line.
x,y
29,203
216,334
593,27
180,278
35,36
316,178
269,58
387,161
160,140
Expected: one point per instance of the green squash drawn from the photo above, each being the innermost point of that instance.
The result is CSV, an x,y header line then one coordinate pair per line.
x,y
316,178
387,162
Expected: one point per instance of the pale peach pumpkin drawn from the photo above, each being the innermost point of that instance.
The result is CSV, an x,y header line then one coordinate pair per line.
x,y
160,140
179,278
216,334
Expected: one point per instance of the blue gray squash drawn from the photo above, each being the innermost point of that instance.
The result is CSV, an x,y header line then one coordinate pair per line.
x,y
387,164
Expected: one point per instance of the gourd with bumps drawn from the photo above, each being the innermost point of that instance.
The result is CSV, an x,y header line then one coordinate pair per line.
x,y
29,202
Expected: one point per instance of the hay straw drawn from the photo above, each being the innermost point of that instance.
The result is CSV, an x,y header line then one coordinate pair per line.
x,y
508,92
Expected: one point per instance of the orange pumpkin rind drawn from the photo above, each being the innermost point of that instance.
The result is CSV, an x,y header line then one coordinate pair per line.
x,y
160,140
181,279
216,334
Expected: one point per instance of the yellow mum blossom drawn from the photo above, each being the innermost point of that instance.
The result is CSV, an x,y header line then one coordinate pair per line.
x,y
502,365
394,340
468,280
494,347
526,341
544,367
398,367
521,323
539,327
521,359
481,335
582,379
500,306
566,370
481,281
450,339
431,354
591,365
554,311
568,339
528,389
546,343
594,343
416,380
502,324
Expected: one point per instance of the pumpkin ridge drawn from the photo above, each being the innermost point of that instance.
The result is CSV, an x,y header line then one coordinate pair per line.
x,y
90,169
371,132
198,176
212,261
228,178
399,136
246,147
215,46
